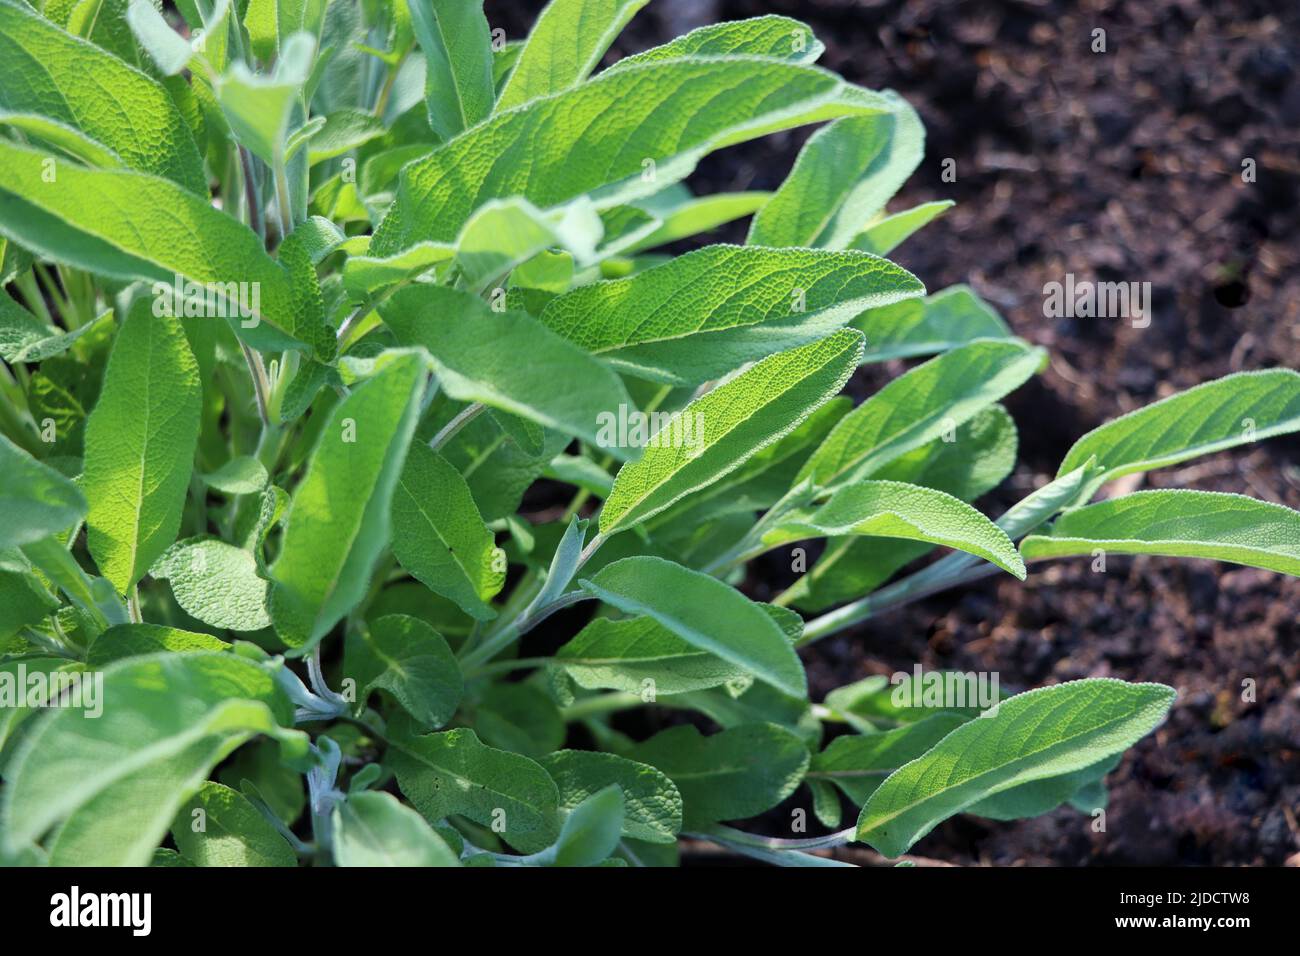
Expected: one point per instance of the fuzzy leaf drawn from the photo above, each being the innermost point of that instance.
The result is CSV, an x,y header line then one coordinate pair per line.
x,y
706,613
1178,524
1032,736
374,829
410,660
708,312
739,418
140,442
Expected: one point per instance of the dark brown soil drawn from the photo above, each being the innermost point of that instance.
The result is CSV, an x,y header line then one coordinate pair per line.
x,y
1116,166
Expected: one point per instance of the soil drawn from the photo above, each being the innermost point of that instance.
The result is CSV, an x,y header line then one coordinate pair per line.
x,y
1123,165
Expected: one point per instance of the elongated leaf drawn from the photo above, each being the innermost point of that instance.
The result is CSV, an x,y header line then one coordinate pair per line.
x,y
599,136
1179,524
731,775
339,519
919,407
452,772
641,654
893,509
410,660
686,215
560,386
844,175
740,417
117,780
439,536
504,233
215,582
219,827
566,44
375,829
859,763
1229,411
885,235
652,807
705,313
128,225
1032,736
140,441
704,612
36,500
981,455
591,830
1039,796
25,338
259,108
135,640
771,36
46,72
942,321
454,38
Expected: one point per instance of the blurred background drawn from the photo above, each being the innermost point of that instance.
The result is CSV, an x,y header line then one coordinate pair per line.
x,y
1124,165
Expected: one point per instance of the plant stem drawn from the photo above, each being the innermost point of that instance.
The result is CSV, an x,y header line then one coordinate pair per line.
x,y
463,418
600,704
255,221
260,384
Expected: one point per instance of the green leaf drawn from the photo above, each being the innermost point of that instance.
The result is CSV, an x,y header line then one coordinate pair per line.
x,y
134,640
338,520
453,773
919,407
1039,796
601,134
565,45
738,418
981,455
168,50
731,775
652,807
1230,411
778,37
892,509
859,763
457,46
505,233
1178,524
375,829
116,781
559,387
216,583
47,71
257,107
25,338
886,234
706,613
843,176
640,654
439,537
140,442
128,225
682,215
591,830
36,500
940,322
241,475
219,827
410,660
519,717
1032,736
703,314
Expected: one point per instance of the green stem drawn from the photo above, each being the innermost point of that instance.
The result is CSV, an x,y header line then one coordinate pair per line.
x,y
463,418
600,704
